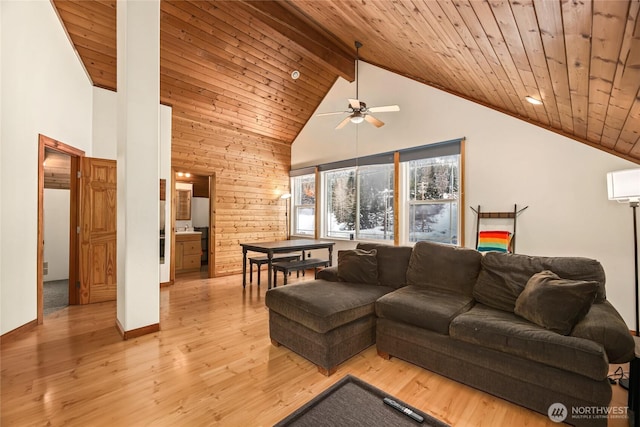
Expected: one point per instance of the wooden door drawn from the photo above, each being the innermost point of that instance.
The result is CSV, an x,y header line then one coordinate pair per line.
x,y
98,220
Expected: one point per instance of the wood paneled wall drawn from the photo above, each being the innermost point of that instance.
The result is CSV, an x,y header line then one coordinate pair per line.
x,y
57,170
251,173
200,183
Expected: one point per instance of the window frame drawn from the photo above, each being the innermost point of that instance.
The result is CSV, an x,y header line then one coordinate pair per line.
x,y
407,203
358,171
400,207
294,206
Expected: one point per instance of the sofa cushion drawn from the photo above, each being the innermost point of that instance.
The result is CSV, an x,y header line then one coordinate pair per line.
x,y
504,276
321,305
604,325
506,332
392,263
428,308
445,267
358,266
554,303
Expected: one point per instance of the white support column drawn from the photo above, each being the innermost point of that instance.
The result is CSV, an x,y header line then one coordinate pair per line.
x,y
138,23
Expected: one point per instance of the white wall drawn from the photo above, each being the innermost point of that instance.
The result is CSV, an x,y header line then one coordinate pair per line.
x,y
138,40
2,38
44,90
105,124
56,233
508,161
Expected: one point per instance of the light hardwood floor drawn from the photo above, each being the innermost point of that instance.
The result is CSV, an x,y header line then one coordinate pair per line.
x,y
212,363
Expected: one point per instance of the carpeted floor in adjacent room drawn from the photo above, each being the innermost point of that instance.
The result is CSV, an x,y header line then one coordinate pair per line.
x,y
56,295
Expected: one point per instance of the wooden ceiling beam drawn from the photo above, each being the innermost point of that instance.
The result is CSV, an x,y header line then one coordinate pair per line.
x,y
316,44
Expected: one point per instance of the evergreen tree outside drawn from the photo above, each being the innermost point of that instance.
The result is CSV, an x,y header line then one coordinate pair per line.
x,y
341,190
376,202
433,195
360,200
364,194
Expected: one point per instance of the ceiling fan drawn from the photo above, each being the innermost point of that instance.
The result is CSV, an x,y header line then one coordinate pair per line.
x,y
358,110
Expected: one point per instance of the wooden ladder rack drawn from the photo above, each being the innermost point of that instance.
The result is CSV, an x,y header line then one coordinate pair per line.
x,y
498,215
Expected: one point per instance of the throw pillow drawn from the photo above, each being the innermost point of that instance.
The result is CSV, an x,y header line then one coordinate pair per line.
x,y
392,263
504,276
554,303
358,266
498,241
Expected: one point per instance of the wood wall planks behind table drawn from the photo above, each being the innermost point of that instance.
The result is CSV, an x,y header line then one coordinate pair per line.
x,y
251,173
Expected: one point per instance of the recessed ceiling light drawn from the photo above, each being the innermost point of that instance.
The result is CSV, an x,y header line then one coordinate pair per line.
x,y
533,100
295,74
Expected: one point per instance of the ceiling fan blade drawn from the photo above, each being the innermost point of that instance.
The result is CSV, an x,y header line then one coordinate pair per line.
x,y
332,114
377,123
385,109
354,103
343,123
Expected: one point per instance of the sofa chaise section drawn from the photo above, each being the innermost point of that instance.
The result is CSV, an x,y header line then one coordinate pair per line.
x,y
329,320
324,322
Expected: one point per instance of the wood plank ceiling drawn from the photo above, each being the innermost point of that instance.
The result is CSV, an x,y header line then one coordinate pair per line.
x,y
228,63
226,72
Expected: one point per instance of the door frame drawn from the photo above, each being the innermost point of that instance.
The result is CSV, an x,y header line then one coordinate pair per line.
x,y
211,256
75,155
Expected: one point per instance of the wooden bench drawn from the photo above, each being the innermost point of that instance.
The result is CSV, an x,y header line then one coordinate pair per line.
x,y
288,267
260,260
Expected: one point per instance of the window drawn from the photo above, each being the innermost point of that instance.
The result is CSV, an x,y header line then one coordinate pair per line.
x,y
340,190
357,196
304,205
432,199
375,202
359,202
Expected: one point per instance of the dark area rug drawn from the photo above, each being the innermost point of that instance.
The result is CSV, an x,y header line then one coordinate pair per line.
x,y
55,295
354,403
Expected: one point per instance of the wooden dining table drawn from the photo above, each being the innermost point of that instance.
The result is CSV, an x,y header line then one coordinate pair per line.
x,y
279,247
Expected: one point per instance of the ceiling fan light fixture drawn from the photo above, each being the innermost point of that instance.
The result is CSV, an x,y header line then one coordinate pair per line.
x,y
533,100
357,118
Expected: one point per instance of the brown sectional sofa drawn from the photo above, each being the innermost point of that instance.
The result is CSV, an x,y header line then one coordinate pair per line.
x,y
452,310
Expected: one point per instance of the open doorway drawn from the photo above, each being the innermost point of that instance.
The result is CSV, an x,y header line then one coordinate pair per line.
x,y
193,219
57,224
92,234
56,203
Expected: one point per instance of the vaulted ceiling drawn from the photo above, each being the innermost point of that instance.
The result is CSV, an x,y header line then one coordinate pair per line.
x,y
229,63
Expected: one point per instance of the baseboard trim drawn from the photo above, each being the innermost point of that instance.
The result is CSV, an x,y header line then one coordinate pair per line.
x,y
6,337
135,333
165,284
